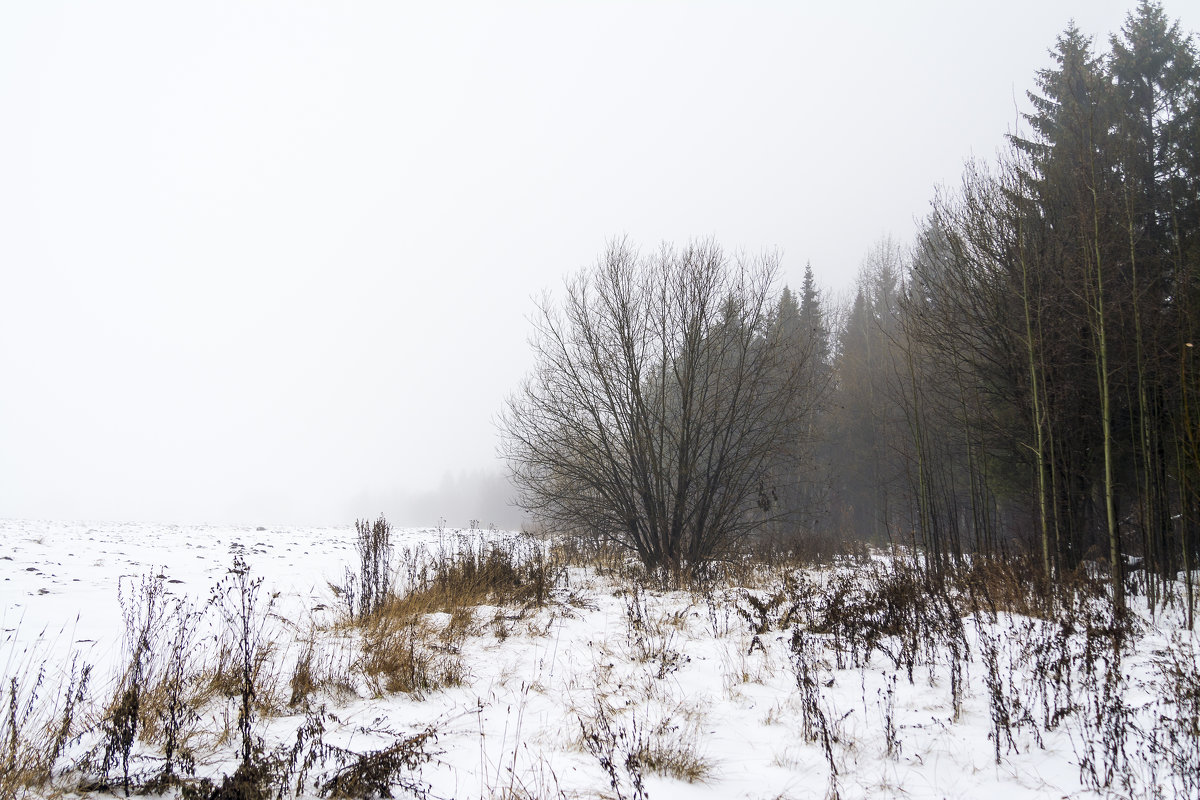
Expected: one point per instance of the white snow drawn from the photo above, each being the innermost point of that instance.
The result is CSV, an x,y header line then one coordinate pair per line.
x,y
678,669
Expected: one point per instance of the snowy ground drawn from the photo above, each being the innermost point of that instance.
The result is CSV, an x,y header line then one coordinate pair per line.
x,y
679,673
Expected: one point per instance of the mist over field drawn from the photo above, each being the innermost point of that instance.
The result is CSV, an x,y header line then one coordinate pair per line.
x,y
486,498
262,261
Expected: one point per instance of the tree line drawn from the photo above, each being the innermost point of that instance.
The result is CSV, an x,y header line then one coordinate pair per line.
x,y
1021,378
1025,369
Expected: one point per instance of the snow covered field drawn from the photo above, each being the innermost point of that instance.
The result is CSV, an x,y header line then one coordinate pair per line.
x,y
725,693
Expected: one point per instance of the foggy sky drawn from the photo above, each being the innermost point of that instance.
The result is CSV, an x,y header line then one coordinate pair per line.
x,y
272,262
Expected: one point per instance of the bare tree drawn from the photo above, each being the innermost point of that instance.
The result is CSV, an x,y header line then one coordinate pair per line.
x,y
662,403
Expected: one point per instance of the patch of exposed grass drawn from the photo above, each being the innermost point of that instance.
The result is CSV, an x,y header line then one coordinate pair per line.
x,y
477,572
405,654
412,642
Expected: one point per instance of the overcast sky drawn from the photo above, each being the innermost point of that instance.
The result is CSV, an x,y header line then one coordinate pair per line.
x,y
273,261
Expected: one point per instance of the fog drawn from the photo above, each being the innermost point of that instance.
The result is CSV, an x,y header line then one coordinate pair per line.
x,y
272,262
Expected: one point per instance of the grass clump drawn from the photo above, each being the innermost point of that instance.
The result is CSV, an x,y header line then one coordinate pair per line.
x,y
511,572
626,752
412,641
36,725
404,654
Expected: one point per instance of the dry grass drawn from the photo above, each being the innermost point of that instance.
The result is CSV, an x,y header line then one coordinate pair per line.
x,y
1062,635
220,679
673,747
402,654
476,572
578,549
37,723
412,642
376,773
627,748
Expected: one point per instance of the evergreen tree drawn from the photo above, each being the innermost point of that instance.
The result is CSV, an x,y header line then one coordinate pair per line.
x,y
812,322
